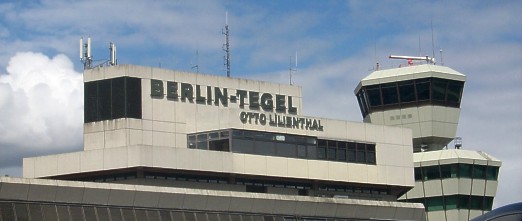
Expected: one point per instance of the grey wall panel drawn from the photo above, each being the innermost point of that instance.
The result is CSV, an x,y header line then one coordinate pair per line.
x,y
195,201
363,211
284,206
344,210
326,209
240,202
260,205
170,200
42,192
121,197
404,213
146,199
14,191
307,208
384,212
96,196
218,203
70,194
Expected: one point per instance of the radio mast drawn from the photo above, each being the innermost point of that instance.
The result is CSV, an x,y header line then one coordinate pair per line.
x,y
226,47
292,69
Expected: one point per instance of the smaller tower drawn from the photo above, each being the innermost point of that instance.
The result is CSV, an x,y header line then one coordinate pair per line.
x,y
425,98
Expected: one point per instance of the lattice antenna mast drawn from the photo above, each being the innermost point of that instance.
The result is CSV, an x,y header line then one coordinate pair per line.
x,y
292,69
85,53
226,47
197,62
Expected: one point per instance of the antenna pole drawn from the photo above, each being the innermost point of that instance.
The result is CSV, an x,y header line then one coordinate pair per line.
x,y
292,69
112,50
432,41
227,45
197,62
441,62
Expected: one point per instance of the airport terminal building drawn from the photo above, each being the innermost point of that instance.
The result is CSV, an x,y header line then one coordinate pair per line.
x,y
168,145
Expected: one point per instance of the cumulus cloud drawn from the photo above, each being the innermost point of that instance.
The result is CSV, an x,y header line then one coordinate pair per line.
x,y
41,107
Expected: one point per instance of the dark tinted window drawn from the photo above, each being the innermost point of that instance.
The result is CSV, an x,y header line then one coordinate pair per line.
x,y
438,89
374,94
407,91
104,99
118,98
112,99
389,94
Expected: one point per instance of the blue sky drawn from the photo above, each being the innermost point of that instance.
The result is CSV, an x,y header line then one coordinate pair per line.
x,y
337,44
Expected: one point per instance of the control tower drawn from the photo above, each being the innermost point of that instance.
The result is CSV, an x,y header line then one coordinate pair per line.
x,y
453,184
425,98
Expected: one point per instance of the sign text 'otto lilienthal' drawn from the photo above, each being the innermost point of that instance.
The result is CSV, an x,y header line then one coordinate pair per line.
x,y
266,108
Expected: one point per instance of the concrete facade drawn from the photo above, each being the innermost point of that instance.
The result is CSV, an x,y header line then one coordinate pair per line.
x,y
146,162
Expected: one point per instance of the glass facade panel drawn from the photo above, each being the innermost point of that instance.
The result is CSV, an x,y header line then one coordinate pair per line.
x,y
407,92
423,90
189,216
332,153
374,94
76,213
435,91
242,146
284,145
438,89
465,170
286,149
389,94
49,212
492,173
479,172
63,212
141,214
176,215
301,151
115,214
128,214
451,202
112,99
154,215
165,216
454,91
36,212
103,213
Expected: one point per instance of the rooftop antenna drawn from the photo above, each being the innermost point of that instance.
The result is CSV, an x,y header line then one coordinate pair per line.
x,y
86,57
432,42
292,69
441,62
197,62
112,50
226,47
420,51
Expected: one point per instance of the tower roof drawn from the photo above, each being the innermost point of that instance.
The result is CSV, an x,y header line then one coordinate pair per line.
x,y
410,73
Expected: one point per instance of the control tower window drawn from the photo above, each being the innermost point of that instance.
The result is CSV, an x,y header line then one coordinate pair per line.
x,y
423,89
389,94
374,94
406,91
434,91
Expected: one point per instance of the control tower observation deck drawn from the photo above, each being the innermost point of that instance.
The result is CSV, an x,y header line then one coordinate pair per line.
x,y
425,98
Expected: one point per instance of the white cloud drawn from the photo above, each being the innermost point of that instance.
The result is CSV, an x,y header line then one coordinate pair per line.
x,y
41,106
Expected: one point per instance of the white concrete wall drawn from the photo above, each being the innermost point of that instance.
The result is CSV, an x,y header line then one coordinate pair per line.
x,y
386,172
